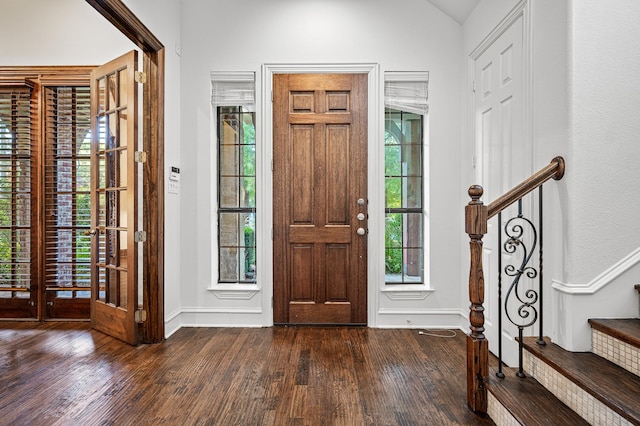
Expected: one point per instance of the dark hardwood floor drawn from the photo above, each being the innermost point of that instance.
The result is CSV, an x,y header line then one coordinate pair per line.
x,y
67,374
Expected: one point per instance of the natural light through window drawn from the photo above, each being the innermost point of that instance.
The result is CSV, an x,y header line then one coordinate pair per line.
x,y
236,195
404,147
233,96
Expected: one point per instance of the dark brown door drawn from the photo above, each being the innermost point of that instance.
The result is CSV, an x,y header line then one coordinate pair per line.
x,y
113,198
320,198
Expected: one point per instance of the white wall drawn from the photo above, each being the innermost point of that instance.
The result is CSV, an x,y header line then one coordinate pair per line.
x,y
605,134
243,35
61,32
71,32
162,17
602,228
586,103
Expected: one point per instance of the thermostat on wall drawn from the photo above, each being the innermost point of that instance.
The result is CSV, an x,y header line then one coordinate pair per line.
x,y
174,180
175,174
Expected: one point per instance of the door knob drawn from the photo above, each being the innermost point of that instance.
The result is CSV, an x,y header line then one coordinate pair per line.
x,y
361,231
360,216
90,232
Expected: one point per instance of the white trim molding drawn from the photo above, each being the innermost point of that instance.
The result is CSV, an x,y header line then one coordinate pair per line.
x,y
407,292
375,195
601,280
234,291
421,318
221,317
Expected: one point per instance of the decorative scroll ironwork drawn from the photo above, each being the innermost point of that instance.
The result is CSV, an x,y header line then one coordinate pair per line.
x,y
520,302
515,230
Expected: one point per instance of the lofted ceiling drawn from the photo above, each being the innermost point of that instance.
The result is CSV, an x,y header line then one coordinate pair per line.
x,y
459,10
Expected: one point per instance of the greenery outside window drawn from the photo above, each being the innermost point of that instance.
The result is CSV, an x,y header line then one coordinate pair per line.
x,y
405,227
233,97
236,195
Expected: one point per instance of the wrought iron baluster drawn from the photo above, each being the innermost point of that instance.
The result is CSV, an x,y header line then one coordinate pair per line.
x,y
540,340
526,311
499,373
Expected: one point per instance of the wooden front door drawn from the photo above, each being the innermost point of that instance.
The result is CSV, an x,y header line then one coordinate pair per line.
x,y
320,198
113,198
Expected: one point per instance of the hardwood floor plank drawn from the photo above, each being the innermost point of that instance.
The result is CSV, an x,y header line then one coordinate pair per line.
x,y
67,374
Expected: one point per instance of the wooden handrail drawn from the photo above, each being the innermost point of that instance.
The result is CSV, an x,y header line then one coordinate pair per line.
x,y
476,216
554,170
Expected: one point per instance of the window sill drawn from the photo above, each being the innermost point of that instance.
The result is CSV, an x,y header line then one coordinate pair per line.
x,y
234,291
407,291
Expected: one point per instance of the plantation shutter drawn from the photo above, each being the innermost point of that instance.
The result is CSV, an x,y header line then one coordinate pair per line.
x,y
17,112
407,91
67,173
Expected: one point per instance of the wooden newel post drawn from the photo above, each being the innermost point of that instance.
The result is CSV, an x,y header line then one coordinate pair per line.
x,y
477,345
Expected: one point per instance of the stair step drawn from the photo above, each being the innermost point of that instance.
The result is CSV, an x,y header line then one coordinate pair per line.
x,y
598,385
618,340
626,330
527,402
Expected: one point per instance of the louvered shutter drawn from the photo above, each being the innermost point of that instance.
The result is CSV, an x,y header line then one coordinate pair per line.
x,y
16,185
67,172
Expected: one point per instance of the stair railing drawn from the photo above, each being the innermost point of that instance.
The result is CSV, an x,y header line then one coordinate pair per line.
x,y
476,217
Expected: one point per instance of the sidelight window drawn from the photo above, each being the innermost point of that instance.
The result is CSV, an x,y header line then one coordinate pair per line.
x,y
233,97
405,210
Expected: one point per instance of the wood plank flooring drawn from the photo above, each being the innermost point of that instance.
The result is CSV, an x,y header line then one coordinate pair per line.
x,y
67,374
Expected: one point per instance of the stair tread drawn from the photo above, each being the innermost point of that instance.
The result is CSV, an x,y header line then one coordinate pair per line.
x,y
624,329
529,402
612,385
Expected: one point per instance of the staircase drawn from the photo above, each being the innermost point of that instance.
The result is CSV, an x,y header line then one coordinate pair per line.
x,y
601,387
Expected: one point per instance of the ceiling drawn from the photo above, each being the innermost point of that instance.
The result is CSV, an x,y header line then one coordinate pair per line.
x,y
459,10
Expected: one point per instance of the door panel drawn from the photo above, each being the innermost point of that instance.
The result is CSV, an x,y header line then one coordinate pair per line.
x,y
504,159
113,198
320,157
67,171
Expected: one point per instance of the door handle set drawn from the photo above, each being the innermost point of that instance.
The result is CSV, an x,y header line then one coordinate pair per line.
x,y
361,216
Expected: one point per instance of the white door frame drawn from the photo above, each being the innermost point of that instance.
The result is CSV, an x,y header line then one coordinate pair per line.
x,y
264,183
521,11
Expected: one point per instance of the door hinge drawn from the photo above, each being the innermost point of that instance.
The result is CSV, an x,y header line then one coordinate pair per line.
x,y
140,236
140,77
140,315
140,156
